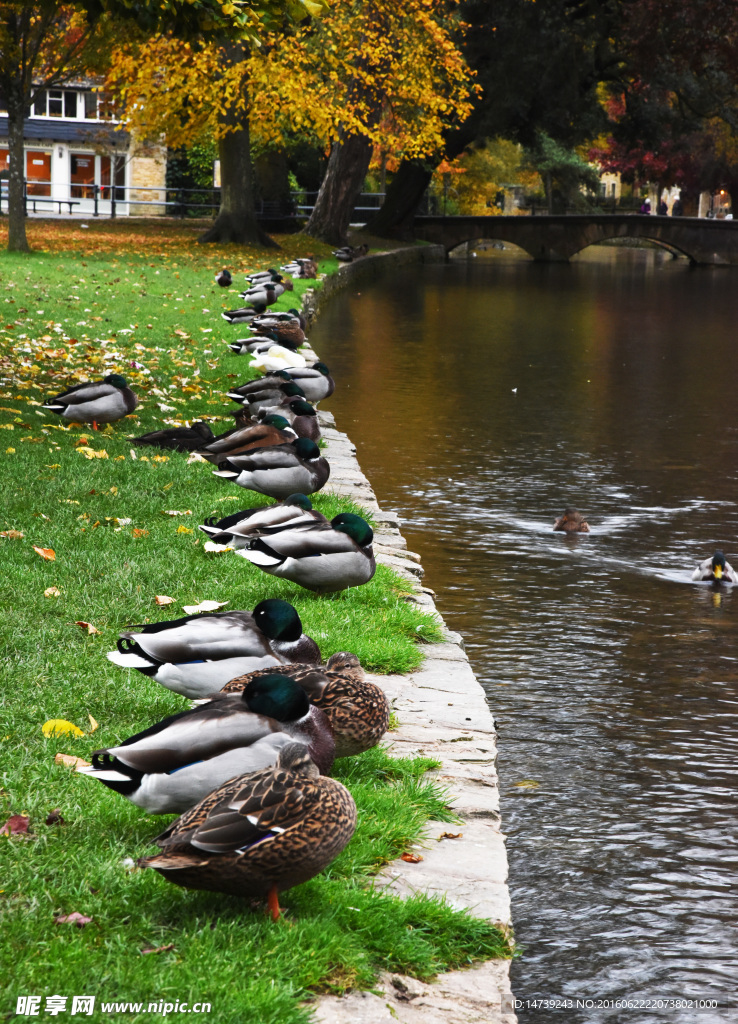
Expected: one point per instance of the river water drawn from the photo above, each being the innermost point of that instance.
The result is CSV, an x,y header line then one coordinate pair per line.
x,y
484,397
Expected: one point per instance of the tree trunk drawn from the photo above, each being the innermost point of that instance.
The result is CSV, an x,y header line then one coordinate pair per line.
x,y
344,176
236,220
395,218
17,241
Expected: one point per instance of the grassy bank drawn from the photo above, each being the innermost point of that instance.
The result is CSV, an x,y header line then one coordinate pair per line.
x,y
139,299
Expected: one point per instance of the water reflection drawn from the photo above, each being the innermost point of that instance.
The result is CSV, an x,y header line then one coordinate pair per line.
x,y
613,678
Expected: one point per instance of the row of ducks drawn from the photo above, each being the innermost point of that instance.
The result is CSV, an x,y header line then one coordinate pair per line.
x,y
247,766
714,569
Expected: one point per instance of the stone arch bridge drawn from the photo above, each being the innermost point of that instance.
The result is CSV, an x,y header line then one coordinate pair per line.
x,y
552,238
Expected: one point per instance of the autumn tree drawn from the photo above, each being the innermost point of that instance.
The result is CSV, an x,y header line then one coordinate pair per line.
x,y
186,89
538,66
42,45
374,72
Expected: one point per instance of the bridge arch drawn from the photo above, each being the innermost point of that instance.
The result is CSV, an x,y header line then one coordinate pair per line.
x,y
553,238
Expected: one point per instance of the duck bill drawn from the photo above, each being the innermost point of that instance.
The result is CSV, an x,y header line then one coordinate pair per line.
x,y
718,572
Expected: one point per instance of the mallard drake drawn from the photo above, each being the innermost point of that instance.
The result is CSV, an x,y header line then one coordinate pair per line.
x,y
269,397
197,654
236,530
244,314
96,401
263,275
716,569
259,834
320,558
267,291
224,278
268,382
271,430
280,470
178,439
571,521
315,381
178,761
357,710
301,267
349,253
301,416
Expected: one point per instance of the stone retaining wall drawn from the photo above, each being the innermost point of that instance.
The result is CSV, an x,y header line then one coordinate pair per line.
x,y
443,714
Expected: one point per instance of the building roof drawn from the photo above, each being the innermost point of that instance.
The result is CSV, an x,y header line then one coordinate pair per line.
x,y
56,129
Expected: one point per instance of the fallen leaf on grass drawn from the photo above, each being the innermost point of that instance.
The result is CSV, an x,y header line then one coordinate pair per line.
x,y
94,726
11,534
184,529
88,626
52,592
194,457
46,553
16,824
450,835
90,453
162,599
55,817
137,532
204,606
60,727
159,949
74,918
174,512
70,761
411,858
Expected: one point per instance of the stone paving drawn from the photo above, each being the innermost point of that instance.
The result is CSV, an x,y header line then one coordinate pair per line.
x,y
443,714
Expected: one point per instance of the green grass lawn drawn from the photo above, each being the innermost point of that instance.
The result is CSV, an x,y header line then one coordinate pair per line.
x,y
139,299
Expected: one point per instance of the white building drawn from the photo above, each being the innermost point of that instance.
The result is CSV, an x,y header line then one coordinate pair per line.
x,y
76,162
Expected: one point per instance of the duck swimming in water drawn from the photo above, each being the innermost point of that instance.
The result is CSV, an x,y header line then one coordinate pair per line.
x,y
571,521
715,569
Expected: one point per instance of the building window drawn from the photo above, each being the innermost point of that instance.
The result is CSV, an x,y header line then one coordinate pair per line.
x,y
38,173
56,103
70,104
82,175
90,106
39,104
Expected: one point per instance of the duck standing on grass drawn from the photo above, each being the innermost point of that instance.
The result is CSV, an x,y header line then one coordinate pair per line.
x,y
716,570
178,761
198,654
259,834
96,401
320,558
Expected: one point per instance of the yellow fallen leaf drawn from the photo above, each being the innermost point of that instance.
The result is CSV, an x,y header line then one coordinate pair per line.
x,y
162,599
71,761
90,453
60,727
184,529
11,451
94,726
527,784
160,458
216,549
46,553
52,592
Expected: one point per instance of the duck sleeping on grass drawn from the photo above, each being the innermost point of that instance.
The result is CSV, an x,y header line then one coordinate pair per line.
x,y
97,401
178,761
259,834
235,531
279,471
358,711
715,569
198,654
270,431
244,314
324,558
178,439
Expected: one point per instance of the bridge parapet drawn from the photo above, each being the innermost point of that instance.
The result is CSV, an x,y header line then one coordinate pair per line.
x,y
556,238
